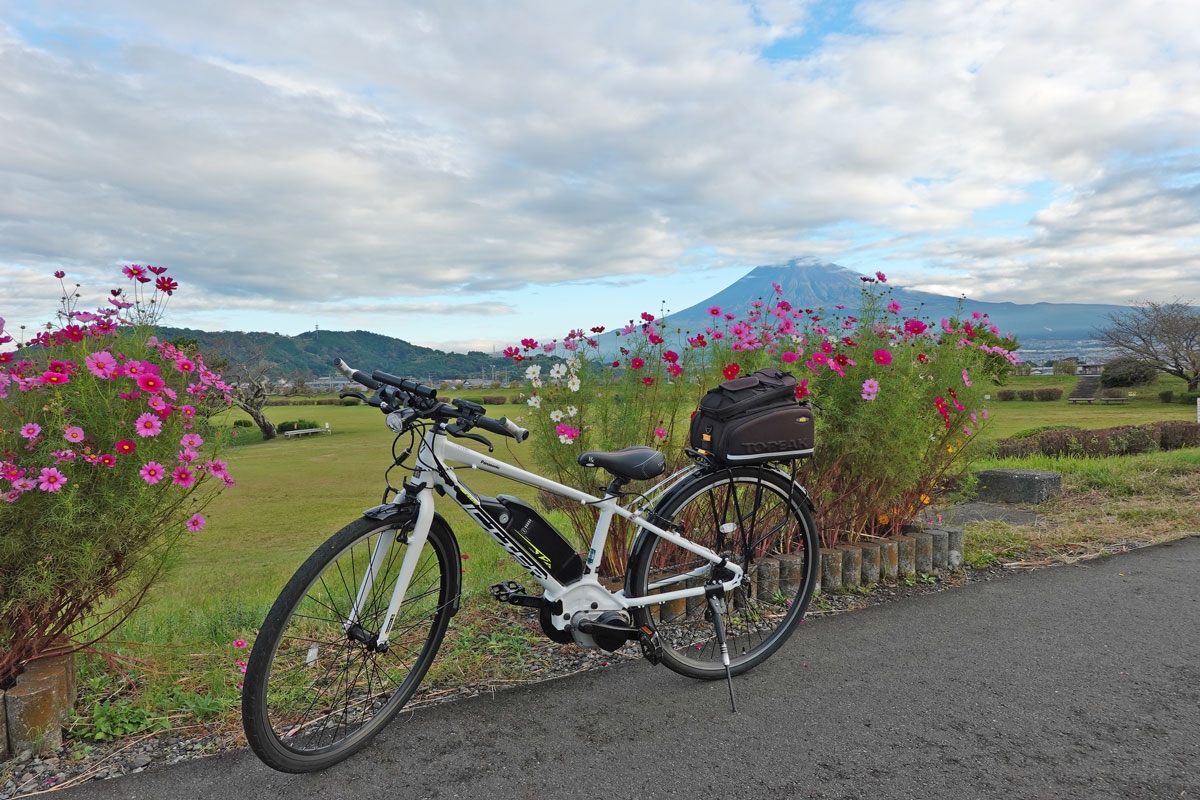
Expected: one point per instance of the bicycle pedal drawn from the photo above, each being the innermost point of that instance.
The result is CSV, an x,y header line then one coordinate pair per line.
x,y
513,593
651,645
503,591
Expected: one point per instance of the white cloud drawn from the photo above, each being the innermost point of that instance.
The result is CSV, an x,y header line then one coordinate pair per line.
x,y
298,159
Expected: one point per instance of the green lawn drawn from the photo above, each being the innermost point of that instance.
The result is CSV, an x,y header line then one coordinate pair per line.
x,y
1009,417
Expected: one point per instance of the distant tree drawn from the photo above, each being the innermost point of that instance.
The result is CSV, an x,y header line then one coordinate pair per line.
x,y
1127,372
252,387
1166,335
1067,366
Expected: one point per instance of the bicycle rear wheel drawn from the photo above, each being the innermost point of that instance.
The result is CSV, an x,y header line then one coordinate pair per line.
x,y
317,686
756,517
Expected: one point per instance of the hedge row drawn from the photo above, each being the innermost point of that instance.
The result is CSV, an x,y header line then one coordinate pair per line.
x,y
1045,394
1121,441
1184,398
313,401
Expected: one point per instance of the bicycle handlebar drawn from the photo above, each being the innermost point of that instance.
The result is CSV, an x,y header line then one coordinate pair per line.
x,y
469,413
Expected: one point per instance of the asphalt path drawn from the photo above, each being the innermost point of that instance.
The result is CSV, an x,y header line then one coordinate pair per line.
x,y
1075,681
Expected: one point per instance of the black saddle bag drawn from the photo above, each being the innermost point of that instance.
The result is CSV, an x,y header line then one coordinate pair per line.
x,y
754,419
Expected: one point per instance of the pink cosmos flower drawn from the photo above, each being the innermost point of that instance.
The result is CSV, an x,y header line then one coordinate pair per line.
x,y
125,446
966,378
637,363
893,307
152,472
148,425
149,382
73,434
789,357
660,433
51,480
30,430
239,643
55,378
870,389
102,364
106,459
196,523
182,476
883,357
191,440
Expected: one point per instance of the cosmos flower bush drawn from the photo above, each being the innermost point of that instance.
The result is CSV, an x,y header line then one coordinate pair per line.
x,y
104,464
898,398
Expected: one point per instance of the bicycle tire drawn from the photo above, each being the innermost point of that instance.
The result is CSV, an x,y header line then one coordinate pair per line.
x,y
314,694
762,520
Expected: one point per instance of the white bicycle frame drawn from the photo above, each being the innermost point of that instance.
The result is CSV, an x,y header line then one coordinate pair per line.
x,y
587,594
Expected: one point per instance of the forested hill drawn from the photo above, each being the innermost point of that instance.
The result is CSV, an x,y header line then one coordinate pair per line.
x,y
311,354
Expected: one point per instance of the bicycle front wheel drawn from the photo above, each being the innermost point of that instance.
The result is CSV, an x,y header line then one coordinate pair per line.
x,y
318,684
756,517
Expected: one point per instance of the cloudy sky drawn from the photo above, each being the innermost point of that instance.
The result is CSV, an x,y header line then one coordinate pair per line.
x,y
466,173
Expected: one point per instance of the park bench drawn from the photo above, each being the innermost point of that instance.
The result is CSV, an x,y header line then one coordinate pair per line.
x,y
1109,400
305,432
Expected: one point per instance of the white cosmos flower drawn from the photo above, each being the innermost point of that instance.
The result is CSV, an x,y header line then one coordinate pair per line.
x,y
573,383
556,415
535,401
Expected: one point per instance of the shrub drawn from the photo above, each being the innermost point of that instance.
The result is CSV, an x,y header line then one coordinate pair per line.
x,y
1166,395
1125,372
1113,393
243,423
1007,394
1049,394
1119,441
296,425
101,427
494,400
1189,398
1027,394
350,401
1031,432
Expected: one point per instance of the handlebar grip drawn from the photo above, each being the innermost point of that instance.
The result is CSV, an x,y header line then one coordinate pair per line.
x,y
356,376
515,430
505,427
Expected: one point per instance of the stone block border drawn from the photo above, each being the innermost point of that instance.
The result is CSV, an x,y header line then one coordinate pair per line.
x,y
920,551
35,710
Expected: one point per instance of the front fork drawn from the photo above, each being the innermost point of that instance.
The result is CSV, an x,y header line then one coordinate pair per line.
x,y
416,539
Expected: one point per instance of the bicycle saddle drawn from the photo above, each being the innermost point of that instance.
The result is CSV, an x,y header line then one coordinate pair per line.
x,y
637,463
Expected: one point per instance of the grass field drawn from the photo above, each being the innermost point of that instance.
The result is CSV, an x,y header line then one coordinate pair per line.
x,y
291,495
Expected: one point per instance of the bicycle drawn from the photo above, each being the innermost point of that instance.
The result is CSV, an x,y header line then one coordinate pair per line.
x,y
720,572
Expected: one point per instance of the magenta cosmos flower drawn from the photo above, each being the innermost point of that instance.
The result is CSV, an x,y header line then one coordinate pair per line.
x,y
148,425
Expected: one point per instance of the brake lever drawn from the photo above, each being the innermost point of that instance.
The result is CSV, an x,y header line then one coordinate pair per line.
x,y
457,431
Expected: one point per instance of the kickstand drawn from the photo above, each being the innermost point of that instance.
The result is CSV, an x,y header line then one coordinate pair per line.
x,y
716,602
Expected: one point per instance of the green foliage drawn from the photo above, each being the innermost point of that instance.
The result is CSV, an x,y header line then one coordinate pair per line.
x,y
1188,398
1029,432
109,721
243,423
1059,441
1166,395
296,425
1124,372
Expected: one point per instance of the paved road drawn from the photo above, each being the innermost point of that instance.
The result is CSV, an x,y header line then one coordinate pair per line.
x,y
1070,682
